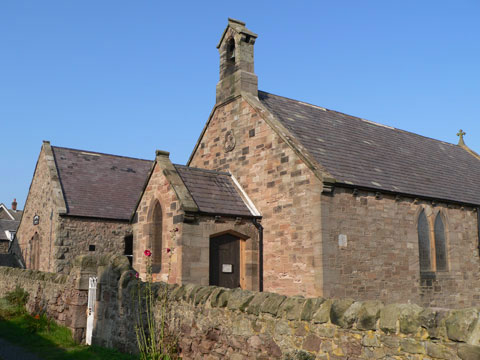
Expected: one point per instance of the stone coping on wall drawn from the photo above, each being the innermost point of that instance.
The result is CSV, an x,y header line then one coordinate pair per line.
x,y
438,333
33,275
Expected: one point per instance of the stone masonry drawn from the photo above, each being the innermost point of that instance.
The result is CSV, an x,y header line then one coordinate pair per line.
x,y
322,238
45,201
283,189
380,258
217,323
190,244
58,238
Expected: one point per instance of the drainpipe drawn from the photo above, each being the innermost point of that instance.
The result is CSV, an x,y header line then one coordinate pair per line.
x,y
260,253
478,227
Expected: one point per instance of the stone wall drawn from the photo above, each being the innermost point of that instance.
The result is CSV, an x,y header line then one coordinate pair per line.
x,y
4,246
75,235
36,241
217,323
58,296
52,244
281,186
379,258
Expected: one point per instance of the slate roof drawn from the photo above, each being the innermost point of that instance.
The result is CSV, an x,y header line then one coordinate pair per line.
x,y
7,225
100,185
365,154
214,192
16,214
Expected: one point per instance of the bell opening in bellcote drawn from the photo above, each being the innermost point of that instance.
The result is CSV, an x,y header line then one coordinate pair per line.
x,y
230,57
236,62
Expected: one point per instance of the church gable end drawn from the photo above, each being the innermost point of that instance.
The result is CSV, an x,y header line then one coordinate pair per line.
x,y
40,216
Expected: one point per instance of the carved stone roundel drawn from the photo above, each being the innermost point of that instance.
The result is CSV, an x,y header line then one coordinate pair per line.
x,y
229,143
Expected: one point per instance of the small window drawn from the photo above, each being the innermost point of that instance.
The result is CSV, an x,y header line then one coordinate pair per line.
x,y
440,247
128,252
424,243
91,247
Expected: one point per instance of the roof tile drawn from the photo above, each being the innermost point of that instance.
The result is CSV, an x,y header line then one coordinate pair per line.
x,y
100,185
366,154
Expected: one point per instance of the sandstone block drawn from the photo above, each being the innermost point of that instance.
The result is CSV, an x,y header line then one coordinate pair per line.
x,y
368,315
439,351
323,313
291,308
257,301
310,308
217,299
405,314
468,352
239,299
412,346
460,324
311,343
272,304
338,309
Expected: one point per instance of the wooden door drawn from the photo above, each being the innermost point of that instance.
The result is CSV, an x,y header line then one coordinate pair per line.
x,y
225,261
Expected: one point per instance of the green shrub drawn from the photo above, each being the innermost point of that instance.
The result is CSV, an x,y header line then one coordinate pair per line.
x,y
17,297
37,323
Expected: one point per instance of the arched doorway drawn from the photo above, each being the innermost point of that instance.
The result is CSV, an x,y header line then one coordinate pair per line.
x,y
35,252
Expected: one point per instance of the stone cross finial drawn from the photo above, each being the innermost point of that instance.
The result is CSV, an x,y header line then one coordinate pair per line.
x,y
460,134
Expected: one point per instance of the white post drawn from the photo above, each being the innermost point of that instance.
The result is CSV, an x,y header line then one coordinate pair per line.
x,y
92,296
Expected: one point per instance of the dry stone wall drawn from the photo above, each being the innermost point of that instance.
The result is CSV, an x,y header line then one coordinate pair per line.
x,y
217,323
57,295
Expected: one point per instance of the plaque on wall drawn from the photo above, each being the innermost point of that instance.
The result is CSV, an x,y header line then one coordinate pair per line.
x,y
229,143
227,268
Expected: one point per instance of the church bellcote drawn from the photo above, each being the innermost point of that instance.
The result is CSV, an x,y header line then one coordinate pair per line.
x,y
236,62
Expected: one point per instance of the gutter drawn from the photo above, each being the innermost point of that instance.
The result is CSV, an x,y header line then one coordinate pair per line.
x,y
260,253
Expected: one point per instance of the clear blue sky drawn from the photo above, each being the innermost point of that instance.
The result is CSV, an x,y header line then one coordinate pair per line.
x,y
129,77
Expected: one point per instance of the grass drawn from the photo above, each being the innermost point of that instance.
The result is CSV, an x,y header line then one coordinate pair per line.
x,y
43,337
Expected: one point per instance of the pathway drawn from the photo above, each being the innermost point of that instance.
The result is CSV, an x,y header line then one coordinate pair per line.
x,y
9,351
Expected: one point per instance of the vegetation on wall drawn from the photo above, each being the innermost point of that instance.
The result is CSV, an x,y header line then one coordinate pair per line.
x,y
154,340
41,335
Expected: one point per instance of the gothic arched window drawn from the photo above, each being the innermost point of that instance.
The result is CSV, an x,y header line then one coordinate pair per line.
x,y
156,238
440,246
432,246
424,242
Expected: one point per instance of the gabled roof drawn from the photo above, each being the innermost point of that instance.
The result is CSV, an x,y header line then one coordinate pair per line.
x,y
100,185
214,192
10,213
362,153
7,226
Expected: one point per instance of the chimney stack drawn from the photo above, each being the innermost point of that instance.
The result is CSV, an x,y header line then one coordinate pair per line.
x,y
14,205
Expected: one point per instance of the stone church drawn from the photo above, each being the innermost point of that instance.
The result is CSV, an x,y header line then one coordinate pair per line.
x,y
278,195
350,208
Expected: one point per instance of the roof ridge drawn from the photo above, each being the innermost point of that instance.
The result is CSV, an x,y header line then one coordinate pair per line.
x,y
361,119
100,153
204,170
